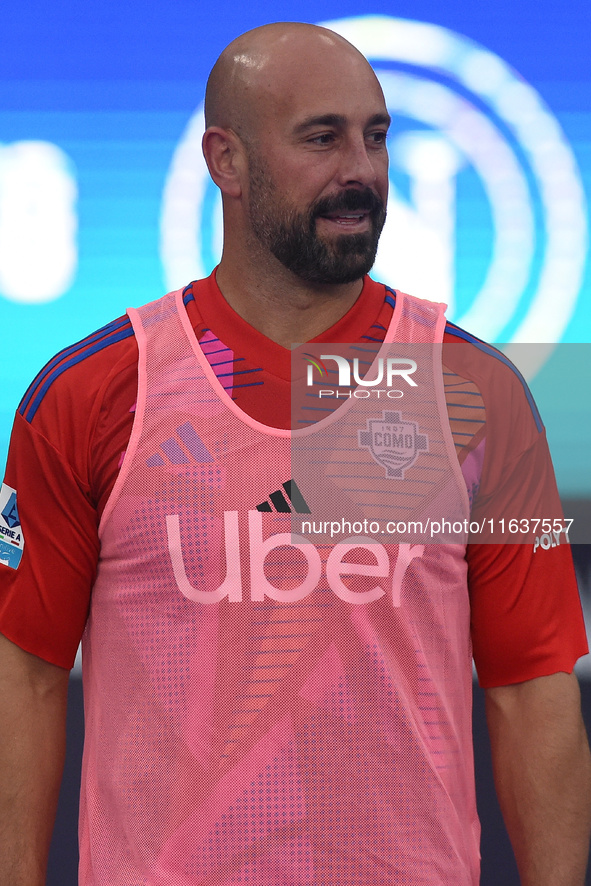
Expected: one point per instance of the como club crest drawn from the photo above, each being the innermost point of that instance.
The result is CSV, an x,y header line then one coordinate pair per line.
x,y
393,443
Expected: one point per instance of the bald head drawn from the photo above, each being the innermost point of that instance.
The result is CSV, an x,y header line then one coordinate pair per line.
x,y
295,139
262,67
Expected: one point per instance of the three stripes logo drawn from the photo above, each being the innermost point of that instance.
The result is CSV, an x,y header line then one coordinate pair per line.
x,y
286,500
181,449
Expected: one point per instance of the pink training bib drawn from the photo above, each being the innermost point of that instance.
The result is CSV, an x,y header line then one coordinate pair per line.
x,y
263,707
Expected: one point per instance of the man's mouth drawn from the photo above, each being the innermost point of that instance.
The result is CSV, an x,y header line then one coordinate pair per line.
x,y
347,219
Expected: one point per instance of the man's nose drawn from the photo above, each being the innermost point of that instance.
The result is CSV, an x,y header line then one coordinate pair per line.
x,y
357,165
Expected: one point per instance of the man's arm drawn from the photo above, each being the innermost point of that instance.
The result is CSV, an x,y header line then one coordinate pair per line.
x,y
542,770
33,698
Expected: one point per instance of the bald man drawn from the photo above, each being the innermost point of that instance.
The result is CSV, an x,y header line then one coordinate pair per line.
x,y
260,709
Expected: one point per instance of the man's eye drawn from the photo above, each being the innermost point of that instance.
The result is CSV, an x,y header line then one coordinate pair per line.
x,y
324,139
378,138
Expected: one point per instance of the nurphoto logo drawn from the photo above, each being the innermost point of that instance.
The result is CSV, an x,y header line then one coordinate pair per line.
x,y
386,371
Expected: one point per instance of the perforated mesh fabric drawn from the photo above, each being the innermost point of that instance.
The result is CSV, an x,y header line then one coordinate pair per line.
x,y
245,724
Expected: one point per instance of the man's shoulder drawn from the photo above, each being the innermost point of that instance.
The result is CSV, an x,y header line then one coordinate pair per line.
x,y
75,375
79,374
476,361
497,378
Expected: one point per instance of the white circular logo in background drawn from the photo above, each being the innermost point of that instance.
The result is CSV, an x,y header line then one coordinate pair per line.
x,y
459,110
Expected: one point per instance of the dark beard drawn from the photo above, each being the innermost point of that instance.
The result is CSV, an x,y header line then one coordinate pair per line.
x,y
292,237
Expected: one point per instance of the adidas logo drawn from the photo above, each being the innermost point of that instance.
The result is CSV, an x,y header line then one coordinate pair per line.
x,y
179,449
295,501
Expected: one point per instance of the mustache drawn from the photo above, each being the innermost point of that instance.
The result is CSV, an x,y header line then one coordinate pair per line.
x,y
349,200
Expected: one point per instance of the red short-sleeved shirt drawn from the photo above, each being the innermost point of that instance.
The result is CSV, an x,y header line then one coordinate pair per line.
x,y
72,428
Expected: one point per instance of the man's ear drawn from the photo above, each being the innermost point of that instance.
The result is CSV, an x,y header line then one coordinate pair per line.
x,y
225,158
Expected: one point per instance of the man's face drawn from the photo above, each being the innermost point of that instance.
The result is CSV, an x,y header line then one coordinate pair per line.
x,y
291,233
318,169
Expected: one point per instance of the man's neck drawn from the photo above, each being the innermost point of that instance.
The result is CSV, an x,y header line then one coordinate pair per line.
x,y
281,306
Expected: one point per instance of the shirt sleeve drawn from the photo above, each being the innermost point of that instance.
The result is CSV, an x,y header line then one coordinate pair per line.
x,y
44,601
68,435
527,619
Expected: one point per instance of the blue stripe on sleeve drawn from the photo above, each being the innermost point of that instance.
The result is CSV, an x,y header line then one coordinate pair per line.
x,y
108,335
